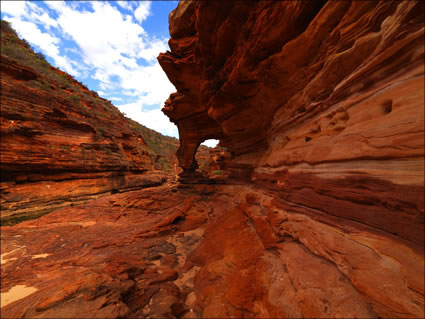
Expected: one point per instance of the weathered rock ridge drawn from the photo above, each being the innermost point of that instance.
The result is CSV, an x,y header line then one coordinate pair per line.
x,y
61,143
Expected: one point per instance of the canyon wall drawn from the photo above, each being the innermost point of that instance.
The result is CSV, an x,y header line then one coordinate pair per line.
x,y
62,144
321,104
319,212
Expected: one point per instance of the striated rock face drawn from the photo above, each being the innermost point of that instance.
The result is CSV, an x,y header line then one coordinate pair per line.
x,y
311,65
61,143
320,101
321,104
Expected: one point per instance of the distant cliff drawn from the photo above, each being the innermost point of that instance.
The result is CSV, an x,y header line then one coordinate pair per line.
x,y
61,143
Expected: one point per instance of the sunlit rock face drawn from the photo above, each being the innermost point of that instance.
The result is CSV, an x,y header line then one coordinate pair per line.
x,y
321,104
253,73
62,144
59,148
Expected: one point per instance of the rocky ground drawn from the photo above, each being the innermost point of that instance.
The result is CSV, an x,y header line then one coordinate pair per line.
x,y
204,251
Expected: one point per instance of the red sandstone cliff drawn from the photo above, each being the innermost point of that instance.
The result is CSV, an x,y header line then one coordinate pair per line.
x,y
321,104
61,143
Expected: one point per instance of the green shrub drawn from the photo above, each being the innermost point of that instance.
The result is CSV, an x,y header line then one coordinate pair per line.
x,y
74,99
26,44
6,27
99,133
41,56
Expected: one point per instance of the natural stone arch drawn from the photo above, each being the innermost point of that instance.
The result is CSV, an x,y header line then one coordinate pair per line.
x,y
205,128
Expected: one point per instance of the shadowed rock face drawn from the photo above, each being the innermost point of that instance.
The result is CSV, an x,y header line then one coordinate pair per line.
x,y
320,108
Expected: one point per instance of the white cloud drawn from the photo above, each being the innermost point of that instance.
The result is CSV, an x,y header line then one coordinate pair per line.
x,y
33,8
114,98
111,44
45,19
59,6
151,83
103,34
37,14
154,119
151,50
210,143
65,64
32,33
130,93
14,8
143,11
125,5
47,43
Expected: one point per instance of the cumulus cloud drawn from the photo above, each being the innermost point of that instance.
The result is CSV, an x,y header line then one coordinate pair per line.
x,y
153,119
125,5
151,83
142,11
56,5
130,93
14,8
38,15
112,43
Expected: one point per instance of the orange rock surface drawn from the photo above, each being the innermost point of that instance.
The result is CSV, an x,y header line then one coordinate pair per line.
x,y
321,105
313,68
206,252
322,102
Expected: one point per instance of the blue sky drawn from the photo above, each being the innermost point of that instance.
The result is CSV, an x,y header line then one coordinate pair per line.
x,y
110,46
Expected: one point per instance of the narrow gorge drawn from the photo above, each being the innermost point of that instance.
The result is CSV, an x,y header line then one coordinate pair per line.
x,y
312,206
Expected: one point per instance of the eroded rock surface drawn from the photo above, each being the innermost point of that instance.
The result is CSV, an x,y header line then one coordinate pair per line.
x,y
321,104
206,252
297,78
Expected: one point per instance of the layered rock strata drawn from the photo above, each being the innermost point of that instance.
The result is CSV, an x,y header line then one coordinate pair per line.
x,y
61,144
289,64
321,104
